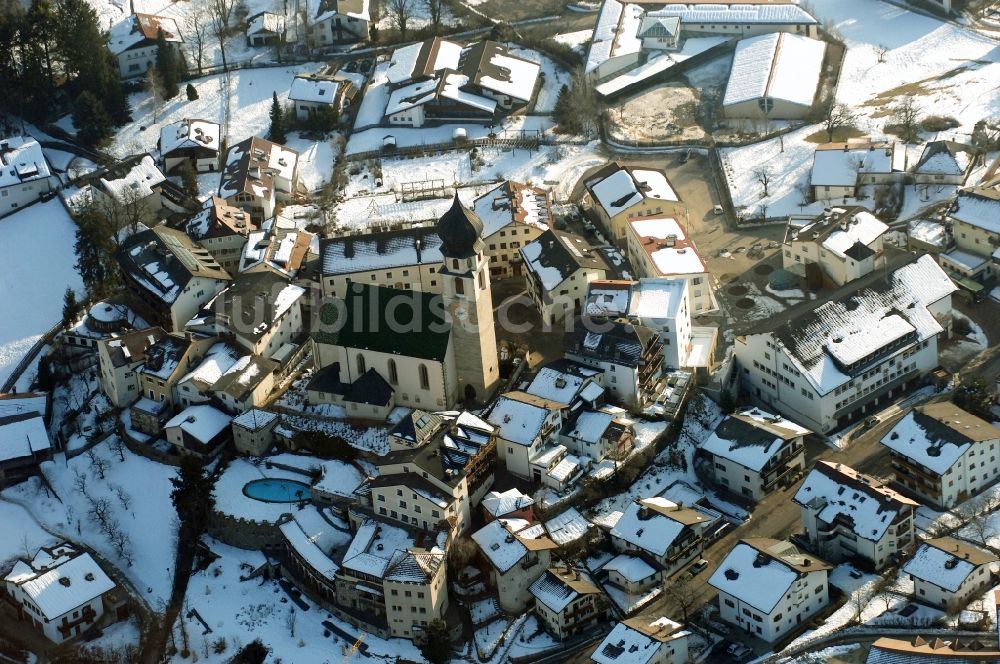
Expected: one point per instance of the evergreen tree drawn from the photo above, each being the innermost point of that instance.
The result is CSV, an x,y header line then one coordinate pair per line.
x,y
437,648
277,133
193,499
189,179
95,251
192,92
93,125
564,114
166,65
71,308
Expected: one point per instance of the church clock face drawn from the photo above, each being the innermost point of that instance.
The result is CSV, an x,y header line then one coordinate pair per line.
x,y
460,312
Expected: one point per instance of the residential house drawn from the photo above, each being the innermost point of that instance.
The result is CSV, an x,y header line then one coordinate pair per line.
x,y
336,21
629,35
24,445
261,312
253,431
631,581
314,94
393,579
368,397
840,168
558,266
119,359
266,29
930,650
223,231
974,225
133,40
617,194
134,191
526,428
438,81
516,560
943,162
62,592
831,360
567,602
247,384
948,573
170,275
434,486
769,588
24,173
843,244
194,142
943,455
167,361
509,504
644,640
200,430
662,305
257,175
658,248
671,534
514,214
576,385
774,77
630,357
753,453
855,517
606,433
282,248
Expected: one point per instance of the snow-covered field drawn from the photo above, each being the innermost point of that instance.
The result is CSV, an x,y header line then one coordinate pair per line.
x,y
23,534
31,301
136,494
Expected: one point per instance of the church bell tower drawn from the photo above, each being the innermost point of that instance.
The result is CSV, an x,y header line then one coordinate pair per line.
x,y
469,302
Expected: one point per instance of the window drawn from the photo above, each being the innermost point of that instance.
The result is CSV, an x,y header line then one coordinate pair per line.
x,y
730,603
393,373
425,381
361,364
459,287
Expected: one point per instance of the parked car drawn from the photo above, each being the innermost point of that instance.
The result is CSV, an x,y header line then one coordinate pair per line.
x,y
699,567
739,652
718,210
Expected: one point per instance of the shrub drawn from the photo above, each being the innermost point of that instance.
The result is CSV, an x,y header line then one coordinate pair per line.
x,y
938,123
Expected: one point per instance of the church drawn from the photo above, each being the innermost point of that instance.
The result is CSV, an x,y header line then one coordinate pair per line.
x,y
433,350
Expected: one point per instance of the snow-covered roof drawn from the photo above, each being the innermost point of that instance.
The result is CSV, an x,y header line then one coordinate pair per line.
x,y
251,166
186,133
324,10
23,436
449,86
759,572
63,585
652,524
937,435
558,587
625,188
140,178
838,164
500,503
590,426
752,437
21,160
779,66
202,422
24,403
562,381
317,89
505,542
631,568
375,546
338,478
638,641
944,158
567,527
669,249
255,419
512,202
555,256
852,322
519,416
136,29
381,250
862,228
946,562
964,260
978,207
835,490
506,74
219,359
930,232
265,22
305,545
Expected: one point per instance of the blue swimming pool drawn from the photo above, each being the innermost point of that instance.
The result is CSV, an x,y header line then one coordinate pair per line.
x,y
277,490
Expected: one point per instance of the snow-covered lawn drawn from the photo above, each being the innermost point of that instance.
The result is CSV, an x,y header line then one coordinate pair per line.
x,y
579,40
238,612
22,534
249,99
40,236
372,139
315,160
136,494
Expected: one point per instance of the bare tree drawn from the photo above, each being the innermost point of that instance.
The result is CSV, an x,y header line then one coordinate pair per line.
x,y
435,8
881,50
400,13
98,463
154,86
906,116
837,116
859,601
125,213
80,481
684,596
100,510
220,11
124,497
118,447
197,28
763,175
